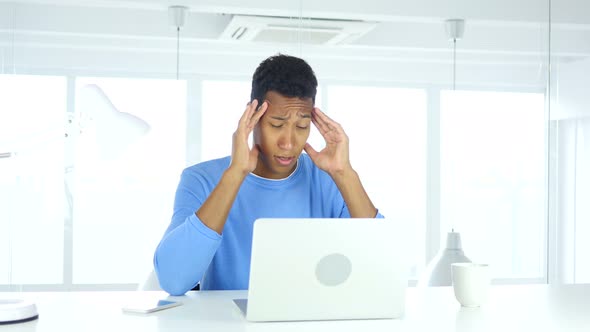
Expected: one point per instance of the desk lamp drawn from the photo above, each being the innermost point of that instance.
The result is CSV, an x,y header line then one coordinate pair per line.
x,y
14,310
17,311
114,131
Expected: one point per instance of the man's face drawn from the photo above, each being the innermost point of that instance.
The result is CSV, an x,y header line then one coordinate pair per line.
x,y
281,134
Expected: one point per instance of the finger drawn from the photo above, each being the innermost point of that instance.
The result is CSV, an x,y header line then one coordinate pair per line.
x,y
324,119
320,128
321,125
257,115
248,112
327,122
243,128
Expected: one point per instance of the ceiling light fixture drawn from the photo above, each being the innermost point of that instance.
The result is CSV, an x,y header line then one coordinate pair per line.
x,y
177,17
455,28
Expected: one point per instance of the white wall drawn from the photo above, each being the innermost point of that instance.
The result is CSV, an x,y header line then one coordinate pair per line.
x,y
570,96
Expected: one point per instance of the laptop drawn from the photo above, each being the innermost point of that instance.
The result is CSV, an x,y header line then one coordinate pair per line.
x,y
326,269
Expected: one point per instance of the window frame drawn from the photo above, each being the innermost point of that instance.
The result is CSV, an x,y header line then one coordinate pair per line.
x,y
432,222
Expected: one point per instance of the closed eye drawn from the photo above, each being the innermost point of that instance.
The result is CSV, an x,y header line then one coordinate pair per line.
x,y
301,127
276,126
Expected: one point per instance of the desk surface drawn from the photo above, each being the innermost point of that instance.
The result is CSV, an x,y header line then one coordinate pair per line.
x,y
510,308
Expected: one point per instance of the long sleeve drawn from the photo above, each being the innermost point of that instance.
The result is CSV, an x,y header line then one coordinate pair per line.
x,y
188,246
183,255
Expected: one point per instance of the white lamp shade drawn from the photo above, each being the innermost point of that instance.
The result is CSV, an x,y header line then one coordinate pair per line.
x,y
114,130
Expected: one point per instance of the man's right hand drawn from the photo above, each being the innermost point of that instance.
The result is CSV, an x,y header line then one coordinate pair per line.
x,y
244,158
214,211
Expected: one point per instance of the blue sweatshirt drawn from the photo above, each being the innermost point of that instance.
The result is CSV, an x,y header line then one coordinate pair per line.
x,y
190,252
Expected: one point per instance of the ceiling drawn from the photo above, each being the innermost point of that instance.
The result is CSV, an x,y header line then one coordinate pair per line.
x,y
508,33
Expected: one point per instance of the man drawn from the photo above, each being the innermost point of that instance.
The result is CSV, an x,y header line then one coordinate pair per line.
x,y
210,237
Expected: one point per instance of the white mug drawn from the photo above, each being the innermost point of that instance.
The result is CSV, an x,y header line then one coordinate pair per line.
x,y
471,283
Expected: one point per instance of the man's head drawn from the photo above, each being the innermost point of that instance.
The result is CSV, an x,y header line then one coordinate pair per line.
x,y
288,85
287,75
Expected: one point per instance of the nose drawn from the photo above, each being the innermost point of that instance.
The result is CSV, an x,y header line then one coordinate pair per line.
x,y
287,139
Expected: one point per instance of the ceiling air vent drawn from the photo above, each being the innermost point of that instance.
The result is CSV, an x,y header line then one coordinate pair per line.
x,y
273,29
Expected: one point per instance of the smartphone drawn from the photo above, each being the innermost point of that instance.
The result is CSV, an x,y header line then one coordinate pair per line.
x,y
147,306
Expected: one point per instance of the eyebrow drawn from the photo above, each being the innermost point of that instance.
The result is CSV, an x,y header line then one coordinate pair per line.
x,y
283,118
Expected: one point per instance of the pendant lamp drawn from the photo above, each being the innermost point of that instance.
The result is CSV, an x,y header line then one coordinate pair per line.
x,y
438,271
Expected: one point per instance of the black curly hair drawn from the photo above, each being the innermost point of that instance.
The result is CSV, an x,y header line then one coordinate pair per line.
x,y
288,75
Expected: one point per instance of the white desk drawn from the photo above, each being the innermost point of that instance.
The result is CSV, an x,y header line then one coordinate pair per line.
x,y
529,308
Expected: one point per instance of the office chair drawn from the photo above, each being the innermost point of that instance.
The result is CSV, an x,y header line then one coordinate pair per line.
x,y
151,283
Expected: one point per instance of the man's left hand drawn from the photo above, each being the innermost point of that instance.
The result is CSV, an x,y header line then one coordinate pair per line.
x,y
333,158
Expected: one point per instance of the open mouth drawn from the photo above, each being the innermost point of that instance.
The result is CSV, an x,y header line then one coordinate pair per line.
x,y
285,161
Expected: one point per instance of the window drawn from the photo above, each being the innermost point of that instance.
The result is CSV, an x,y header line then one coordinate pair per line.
x,y
572,192
582,209
83,199
387,131
224,102
32,110
113,190
123,187
493,176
